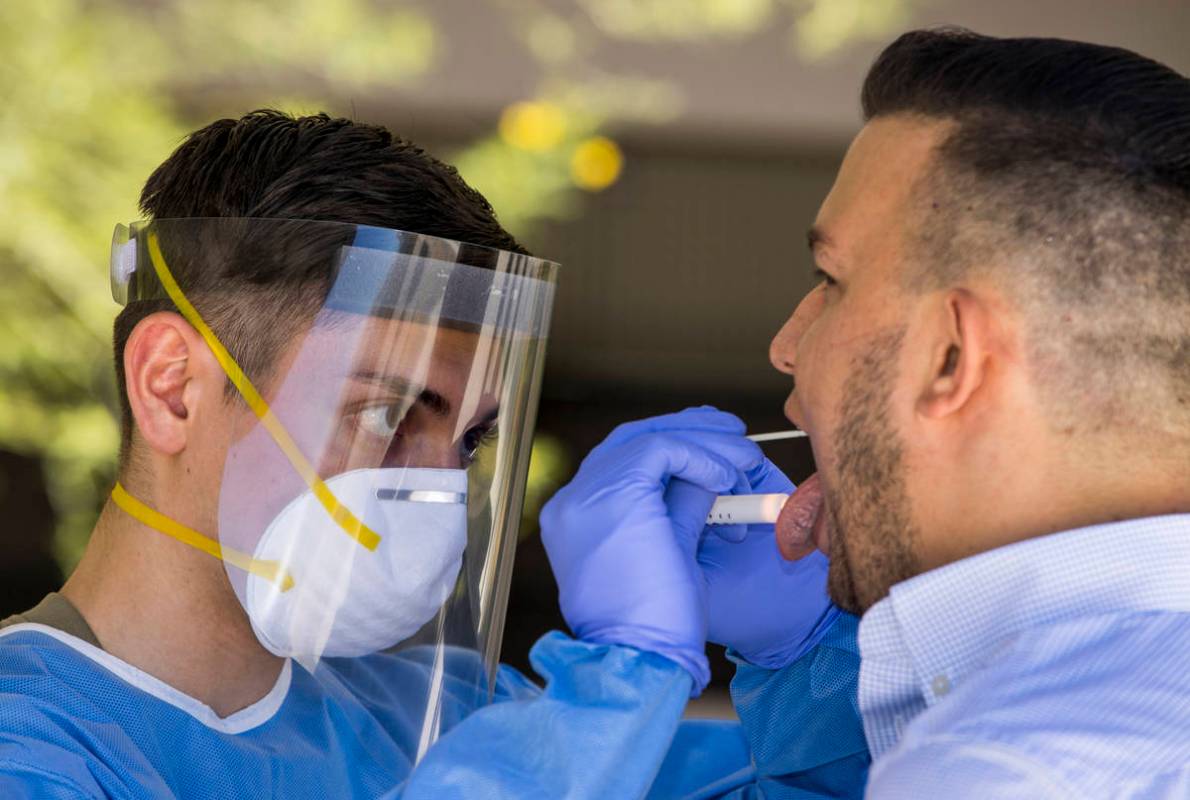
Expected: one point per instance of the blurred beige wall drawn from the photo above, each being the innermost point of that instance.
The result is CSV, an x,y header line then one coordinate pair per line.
x,y
754,89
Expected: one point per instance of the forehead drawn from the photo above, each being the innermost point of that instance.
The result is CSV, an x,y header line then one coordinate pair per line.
x,y
867,207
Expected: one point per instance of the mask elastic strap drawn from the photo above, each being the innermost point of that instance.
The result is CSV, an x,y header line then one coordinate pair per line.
x,y
271,571
351,525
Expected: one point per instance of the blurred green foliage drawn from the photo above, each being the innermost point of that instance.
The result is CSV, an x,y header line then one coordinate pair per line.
x,y
76,136
88,112
93,102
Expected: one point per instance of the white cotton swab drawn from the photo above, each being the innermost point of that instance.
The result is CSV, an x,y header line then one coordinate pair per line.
x,y
772,437
752,509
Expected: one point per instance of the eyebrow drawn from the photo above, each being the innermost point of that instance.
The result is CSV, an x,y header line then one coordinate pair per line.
x,y
431,399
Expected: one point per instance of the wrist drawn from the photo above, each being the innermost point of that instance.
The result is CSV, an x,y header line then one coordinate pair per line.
x,y
778,655
693,661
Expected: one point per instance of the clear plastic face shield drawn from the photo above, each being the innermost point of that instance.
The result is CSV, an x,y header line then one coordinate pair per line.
x,y
375,468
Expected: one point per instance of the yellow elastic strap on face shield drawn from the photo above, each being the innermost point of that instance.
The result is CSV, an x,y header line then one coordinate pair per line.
x,y
271,571
351,525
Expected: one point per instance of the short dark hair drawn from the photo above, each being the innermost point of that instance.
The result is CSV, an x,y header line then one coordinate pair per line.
x,y
270,165
1066,171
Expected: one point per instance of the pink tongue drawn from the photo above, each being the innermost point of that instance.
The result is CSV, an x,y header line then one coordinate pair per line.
x,y
797,533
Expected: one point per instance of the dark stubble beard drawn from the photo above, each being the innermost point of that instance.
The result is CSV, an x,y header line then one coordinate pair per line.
x,y
871,530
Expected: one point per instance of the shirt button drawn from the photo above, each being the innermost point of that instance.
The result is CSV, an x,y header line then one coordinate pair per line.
x,y
940,685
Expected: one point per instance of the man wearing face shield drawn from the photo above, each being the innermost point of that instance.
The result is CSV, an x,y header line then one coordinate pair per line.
x,y
994,372
298,584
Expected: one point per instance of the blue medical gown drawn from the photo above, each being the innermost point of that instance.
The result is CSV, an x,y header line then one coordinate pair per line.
x,y
607,725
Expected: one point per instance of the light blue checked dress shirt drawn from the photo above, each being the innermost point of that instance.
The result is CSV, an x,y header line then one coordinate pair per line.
x,y
1056,667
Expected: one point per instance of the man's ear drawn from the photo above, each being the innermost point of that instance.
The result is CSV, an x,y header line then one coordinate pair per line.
x,y
167,371
962,355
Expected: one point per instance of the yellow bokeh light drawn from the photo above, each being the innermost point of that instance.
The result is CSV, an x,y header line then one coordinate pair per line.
x,y
533,125
596,163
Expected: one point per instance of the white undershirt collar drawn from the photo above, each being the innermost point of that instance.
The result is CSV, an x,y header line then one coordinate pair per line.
x,y
243,720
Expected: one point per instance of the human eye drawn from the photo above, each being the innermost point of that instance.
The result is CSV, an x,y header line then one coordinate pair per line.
x,y
475,439
823,277
381,420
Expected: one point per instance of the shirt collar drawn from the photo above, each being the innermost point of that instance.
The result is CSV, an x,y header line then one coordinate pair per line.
x,y
950,620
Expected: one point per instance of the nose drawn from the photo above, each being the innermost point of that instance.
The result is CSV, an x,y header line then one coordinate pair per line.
x,y
783,348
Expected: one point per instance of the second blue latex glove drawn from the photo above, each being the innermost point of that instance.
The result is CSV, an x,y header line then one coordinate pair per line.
x,y
625,574
768,610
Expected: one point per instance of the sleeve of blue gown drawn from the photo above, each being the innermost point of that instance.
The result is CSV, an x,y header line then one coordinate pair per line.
x,y
608,724
27,783
34,770
601,728
802,722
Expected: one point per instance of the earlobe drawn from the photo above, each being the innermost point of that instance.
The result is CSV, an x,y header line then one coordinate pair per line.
x,y
960,360
159,372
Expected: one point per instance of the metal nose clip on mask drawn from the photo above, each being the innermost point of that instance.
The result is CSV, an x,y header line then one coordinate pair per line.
x,y
377,447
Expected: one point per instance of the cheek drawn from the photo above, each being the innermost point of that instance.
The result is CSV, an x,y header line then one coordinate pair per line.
x,y
437,453
815,381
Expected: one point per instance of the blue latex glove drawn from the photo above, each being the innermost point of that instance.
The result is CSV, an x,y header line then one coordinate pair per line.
x,y
625,575
768,610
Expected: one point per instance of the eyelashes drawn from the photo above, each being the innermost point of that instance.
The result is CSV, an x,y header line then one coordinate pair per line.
x,y
824,277
476,439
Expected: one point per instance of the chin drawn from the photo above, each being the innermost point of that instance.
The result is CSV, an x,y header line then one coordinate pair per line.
x,y
840,586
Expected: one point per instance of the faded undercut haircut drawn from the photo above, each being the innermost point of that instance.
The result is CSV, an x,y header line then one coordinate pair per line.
x,y
270,165
1064,178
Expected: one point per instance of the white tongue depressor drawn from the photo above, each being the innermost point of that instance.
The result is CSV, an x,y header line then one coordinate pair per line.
x,y
746,509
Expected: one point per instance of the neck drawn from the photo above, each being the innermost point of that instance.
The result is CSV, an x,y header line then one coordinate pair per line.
x,y
1045,489
168,610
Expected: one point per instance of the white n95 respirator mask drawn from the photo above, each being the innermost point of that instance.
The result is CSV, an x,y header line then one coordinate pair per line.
x,y
347,600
